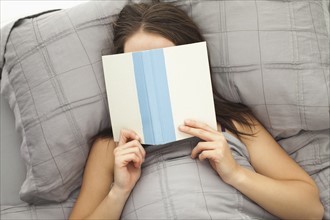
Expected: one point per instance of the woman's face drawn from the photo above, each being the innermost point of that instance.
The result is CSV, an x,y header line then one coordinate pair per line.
x,y
146,41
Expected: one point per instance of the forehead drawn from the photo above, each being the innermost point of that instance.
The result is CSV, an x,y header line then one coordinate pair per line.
x,y
146,41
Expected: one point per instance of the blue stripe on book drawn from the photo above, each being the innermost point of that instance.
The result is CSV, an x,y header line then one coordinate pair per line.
x,y
143,98
149,74
154,98
163,96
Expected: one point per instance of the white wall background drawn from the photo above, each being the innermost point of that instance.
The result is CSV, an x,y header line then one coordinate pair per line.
x,y
13,9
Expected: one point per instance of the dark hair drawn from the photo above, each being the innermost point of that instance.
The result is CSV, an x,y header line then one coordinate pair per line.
x,y
164,19
175,25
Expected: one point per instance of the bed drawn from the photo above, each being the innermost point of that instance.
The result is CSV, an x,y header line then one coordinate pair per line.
x,y
270,55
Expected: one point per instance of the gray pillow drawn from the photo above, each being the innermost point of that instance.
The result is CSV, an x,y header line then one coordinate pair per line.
x,y
270,55
52,77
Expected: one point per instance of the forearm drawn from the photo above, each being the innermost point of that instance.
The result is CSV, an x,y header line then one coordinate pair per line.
x,y
287,199
111,207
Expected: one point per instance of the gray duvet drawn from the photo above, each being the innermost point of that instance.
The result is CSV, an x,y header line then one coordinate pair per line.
x,y
271,55
175,186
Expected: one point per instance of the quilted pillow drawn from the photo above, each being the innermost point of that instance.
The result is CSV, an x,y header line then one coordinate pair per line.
x,y
53,79
270,55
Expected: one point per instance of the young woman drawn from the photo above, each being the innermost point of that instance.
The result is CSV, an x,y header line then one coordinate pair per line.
x,y
278,184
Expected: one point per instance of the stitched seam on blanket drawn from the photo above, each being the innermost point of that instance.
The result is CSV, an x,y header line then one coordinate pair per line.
x,y
135,212
169,194
201,185
159,172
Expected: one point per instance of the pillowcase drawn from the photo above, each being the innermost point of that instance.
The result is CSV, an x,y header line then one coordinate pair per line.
x,y
53,79
272,56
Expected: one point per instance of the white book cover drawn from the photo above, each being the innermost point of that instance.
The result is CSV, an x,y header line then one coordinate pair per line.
x,y
152,92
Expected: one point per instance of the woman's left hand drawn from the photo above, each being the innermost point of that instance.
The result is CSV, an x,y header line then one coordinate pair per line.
x,y
214,148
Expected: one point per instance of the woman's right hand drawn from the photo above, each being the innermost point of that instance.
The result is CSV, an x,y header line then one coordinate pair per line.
x,y
129,156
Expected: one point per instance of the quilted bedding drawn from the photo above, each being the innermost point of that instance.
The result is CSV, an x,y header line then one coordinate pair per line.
x,y
24,211
279,67
175,186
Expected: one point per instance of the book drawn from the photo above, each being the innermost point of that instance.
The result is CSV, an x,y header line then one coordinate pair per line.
x,y
152,92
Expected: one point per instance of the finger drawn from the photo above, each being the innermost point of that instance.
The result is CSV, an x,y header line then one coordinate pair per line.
x,y
143,152
129,144
202,134
135,150
130,147
206,154
124,160
201,146
126,135
198,124
132,144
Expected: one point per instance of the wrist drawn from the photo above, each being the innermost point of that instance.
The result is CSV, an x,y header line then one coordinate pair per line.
x,y
119,192
237,178
116,199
